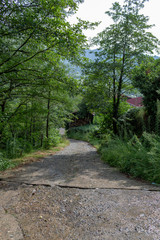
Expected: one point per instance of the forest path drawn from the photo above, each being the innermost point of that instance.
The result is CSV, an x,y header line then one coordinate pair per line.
x,y
78,165
73,195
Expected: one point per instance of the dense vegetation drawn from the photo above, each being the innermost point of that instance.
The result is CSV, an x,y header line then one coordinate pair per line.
x,y
36,88
126,137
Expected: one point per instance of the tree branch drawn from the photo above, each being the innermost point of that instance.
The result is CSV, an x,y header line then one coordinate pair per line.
x,y
12,69
24,43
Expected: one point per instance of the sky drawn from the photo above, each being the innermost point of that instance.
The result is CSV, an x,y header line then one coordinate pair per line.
x,y
94,10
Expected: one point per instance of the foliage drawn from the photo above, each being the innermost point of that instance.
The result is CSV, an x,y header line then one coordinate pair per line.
x,y
6,163
82,132
136,157
36,89
122,45
132,122
107,123
83,110
97,89
33,155
53,140
146,78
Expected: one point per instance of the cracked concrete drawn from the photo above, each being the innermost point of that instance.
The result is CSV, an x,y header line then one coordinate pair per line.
x,y
150,188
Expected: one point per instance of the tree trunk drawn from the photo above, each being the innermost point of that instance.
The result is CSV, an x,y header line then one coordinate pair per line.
x,y
2,121
115,117
114,97
48,115
116,101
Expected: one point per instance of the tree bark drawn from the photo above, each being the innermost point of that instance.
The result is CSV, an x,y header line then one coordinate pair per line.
x,y
116,98
48,115
2,121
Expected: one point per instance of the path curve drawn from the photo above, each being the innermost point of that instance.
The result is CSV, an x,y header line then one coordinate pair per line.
x,y
78,165
73,195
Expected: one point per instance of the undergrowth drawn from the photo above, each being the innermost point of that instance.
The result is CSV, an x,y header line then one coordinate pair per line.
x,y
34,155
138,157
84,133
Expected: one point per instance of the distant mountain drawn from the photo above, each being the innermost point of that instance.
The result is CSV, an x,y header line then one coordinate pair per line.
x,y
91,54
156,57
76,70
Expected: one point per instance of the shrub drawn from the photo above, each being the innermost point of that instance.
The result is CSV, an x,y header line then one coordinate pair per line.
x,y
137,157
16,147
132,122
53,140
5,163
82,133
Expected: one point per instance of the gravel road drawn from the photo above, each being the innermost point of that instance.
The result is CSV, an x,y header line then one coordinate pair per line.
x,y
72,195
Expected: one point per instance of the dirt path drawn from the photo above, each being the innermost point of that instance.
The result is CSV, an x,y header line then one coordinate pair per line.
x,y
74,196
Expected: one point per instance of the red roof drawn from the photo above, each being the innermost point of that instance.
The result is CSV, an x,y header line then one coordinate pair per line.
x,y
135,102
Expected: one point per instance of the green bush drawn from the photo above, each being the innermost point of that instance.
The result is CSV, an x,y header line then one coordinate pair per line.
x,y
139,158
82,132
5,163
53,140
16,147
90,133
132,122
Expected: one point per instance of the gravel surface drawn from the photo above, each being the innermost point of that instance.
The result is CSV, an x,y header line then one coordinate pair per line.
x,y
74,196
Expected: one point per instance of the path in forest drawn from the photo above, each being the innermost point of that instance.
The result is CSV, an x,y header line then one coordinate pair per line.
x,y
73,195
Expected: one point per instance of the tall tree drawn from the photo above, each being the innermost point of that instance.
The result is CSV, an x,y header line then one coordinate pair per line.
x,y
122,45
35,38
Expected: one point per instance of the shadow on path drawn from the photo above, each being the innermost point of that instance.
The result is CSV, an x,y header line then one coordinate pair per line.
x,y
78,165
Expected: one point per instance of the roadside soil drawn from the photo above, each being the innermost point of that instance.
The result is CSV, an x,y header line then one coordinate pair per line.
x,y
73,195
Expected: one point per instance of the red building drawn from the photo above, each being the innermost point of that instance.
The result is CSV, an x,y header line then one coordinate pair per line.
x,y
135,102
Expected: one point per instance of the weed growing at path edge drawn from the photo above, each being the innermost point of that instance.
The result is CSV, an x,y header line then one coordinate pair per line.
x,y
138,157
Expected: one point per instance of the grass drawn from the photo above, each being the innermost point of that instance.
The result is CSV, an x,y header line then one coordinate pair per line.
x,y
31,157
134,157
137,157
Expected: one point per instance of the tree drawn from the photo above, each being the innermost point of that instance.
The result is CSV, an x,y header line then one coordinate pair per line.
x,y
146,78
35,39
122,45
97,87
